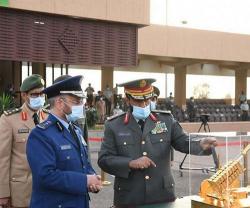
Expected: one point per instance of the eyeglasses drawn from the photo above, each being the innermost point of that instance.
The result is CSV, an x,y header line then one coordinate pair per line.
x,y
36,94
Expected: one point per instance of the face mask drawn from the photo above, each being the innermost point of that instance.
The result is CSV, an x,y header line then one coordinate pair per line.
x,y
36,103
152,105
77,113
141,113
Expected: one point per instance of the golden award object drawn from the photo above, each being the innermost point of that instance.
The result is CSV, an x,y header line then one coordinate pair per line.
x,y
223,188
103,179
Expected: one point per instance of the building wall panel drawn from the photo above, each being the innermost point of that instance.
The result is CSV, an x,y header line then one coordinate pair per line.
x,y
129,11
38,37
192,43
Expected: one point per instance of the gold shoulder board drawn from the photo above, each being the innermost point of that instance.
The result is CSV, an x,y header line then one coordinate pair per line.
x,y
12,111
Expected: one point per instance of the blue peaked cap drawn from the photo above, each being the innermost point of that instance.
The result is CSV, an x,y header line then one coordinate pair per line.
x,y
70,85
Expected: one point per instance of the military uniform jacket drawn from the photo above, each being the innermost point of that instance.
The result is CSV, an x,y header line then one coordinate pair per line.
x,y
59,167
15,175
124,141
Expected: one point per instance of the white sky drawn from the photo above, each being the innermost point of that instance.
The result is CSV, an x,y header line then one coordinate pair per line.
x,y
219,15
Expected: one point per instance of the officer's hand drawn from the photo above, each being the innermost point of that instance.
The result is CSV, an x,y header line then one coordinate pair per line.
x,y
4,201
94,183
208,142
141,163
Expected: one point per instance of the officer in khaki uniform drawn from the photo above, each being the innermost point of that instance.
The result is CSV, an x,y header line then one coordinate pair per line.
x,y
136,149
15,125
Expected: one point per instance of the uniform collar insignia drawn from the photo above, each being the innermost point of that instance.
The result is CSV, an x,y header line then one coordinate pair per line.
x,y
160,127
83,141
44,125
152,116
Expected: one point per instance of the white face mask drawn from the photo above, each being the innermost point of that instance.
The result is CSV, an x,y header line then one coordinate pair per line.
x,y
77,112
152,105
36,103
141,113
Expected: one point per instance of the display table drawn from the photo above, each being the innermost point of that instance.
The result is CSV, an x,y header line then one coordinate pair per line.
x,y
184,202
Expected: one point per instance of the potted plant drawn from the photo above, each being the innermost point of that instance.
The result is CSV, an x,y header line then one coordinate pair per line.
x,y
6,102
91,116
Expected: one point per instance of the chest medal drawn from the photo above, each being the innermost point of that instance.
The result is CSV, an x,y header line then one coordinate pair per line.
x,y
159,128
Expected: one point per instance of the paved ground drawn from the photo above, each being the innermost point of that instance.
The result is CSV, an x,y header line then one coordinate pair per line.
x,y
188,184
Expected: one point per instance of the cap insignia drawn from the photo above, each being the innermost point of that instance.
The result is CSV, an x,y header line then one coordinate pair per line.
x,y
42,81
143,83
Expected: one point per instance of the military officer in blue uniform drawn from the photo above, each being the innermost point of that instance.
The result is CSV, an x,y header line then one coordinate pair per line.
x,y
136,149
57,153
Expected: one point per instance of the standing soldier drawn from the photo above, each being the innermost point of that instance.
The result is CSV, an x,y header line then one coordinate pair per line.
x,y
191,109
90,90
15,125
136,149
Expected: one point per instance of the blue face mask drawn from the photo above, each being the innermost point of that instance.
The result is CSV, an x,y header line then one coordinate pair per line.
x,y
77,113
36,103
141,113
152,105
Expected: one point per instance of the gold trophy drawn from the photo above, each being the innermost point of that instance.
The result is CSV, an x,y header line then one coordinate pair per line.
x,y
223,188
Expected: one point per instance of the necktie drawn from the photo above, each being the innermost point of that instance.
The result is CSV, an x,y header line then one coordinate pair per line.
x,y
141,123
36,118
74,134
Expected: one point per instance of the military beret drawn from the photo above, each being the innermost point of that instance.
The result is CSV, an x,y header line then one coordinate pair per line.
x,y
32,82
65,85
156,91
139,89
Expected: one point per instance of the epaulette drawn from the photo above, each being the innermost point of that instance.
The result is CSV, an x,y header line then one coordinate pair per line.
x,y
44,125
46,106
45,110
161,111
115,116
12,111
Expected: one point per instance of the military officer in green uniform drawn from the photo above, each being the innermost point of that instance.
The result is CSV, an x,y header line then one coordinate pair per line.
x,y
136,150
15,125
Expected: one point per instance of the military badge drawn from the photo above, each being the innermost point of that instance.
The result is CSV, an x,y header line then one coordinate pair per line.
x,y
124,134
159,128
21,131
42,82
143,83
66,147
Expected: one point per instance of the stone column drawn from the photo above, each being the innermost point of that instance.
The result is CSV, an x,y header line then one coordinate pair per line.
x,y
107,77
180,86
39,68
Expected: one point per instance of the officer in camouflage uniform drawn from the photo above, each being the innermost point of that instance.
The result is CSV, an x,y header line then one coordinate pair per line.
x,y
15,125
136,149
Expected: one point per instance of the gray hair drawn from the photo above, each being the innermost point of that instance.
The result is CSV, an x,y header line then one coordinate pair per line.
x,y
52,101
